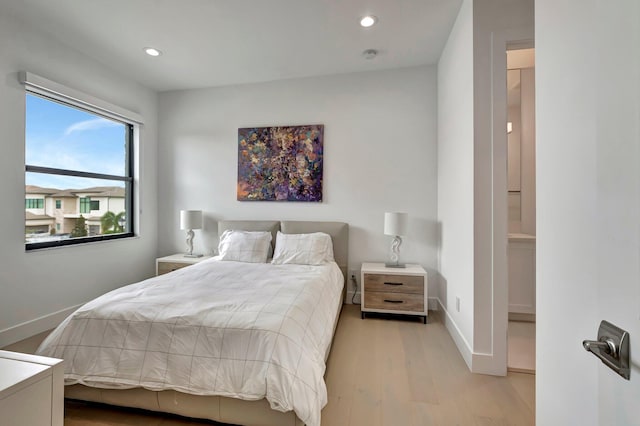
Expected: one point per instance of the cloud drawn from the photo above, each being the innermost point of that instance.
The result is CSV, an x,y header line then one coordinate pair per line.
x,y
96,123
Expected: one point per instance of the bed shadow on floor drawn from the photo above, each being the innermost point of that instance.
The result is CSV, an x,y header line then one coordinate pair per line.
x,y
81,413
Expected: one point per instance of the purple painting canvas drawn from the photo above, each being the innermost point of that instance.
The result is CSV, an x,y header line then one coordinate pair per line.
x,y
280,163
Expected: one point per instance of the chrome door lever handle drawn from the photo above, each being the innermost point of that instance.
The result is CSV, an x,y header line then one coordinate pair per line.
x,y
612,348
606,345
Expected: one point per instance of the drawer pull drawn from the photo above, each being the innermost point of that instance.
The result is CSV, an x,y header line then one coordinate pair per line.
x,y
388,283
393,301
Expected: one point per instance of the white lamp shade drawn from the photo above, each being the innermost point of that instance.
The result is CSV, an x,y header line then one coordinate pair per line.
x,y
190,219
395,223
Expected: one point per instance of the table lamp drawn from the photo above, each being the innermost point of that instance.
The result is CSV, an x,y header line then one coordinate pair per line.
x,y
190,220
395,224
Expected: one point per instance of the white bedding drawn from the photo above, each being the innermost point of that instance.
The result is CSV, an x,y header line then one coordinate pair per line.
x,y
241,330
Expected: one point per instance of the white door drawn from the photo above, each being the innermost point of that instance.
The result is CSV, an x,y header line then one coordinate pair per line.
x,y
588,198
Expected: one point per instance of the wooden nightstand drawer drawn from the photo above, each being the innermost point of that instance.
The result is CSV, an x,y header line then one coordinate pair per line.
x,y
167,264
394,301
394,283
166,267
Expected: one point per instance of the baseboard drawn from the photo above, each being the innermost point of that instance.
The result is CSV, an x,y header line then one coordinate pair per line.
x,y
477,362
463,346
27,329
486,364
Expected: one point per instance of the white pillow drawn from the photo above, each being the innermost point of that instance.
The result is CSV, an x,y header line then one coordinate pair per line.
x,y
244,246
303,249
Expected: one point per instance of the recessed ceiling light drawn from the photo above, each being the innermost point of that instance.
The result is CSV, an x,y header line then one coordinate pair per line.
x,y
152,52
368,21
370,53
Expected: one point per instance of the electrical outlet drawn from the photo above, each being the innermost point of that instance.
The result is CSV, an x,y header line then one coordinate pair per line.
x,y
458,304
354,277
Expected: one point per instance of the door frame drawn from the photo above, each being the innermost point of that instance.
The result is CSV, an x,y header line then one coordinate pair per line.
x,y
496,362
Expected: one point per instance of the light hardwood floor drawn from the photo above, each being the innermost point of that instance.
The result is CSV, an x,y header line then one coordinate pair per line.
x,y
382,372
521,354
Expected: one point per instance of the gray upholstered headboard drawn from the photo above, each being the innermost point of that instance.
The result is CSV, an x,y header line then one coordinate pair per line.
x,y
339,232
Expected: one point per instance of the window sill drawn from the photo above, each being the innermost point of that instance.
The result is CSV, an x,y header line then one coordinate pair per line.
x,y
35,247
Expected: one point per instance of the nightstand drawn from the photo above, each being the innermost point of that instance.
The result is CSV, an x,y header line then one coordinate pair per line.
x,y
394,290
176,261
31,389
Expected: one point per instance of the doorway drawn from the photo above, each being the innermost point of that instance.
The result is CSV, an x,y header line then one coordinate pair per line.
x,y
521,200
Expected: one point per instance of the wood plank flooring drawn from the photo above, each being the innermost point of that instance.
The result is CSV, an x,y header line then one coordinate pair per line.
x,y
382,372
391,372
521,353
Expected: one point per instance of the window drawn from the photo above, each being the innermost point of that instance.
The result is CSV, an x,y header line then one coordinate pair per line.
x,y
85,205
34,203
76,148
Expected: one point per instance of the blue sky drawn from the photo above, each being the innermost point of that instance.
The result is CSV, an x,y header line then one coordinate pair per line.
x,y
67,138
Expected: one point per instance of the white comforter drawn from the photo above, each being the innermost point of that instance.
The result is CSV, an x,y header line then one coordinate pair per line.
x,y
240,330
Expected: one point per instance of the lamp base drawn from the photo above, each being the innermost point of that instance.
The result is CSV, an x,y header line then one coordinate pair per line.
x,y
192,255
395,265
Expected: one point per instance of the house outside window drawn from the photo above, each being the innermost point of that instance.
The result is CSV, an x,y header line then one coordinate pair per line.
x,y
82,152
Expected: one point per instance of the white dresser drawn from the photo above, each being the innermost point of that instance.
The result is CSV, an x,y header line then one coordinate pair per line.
x,y
31,390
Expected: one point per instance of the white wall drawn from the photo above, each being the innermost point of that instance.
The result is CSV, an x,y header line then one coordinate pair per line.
x,y
528,151
521,152
588,227
514,171
379,155
455,178
37,284
515,159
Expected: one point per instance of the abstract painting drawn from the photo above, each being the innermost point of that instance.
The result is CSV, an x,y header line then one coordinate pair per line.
x,y
280,163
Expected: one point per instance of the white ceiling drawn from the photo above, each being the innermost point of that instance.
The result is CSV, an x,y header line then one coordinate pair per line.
x,y
222,42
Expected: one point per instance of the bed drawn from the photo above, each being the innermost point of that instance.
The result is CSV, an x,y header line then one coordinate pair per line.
x,y
279,319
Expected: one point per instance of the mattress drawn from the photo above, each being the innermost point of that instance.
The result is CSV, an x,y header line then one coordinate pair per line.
x,y
239,330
